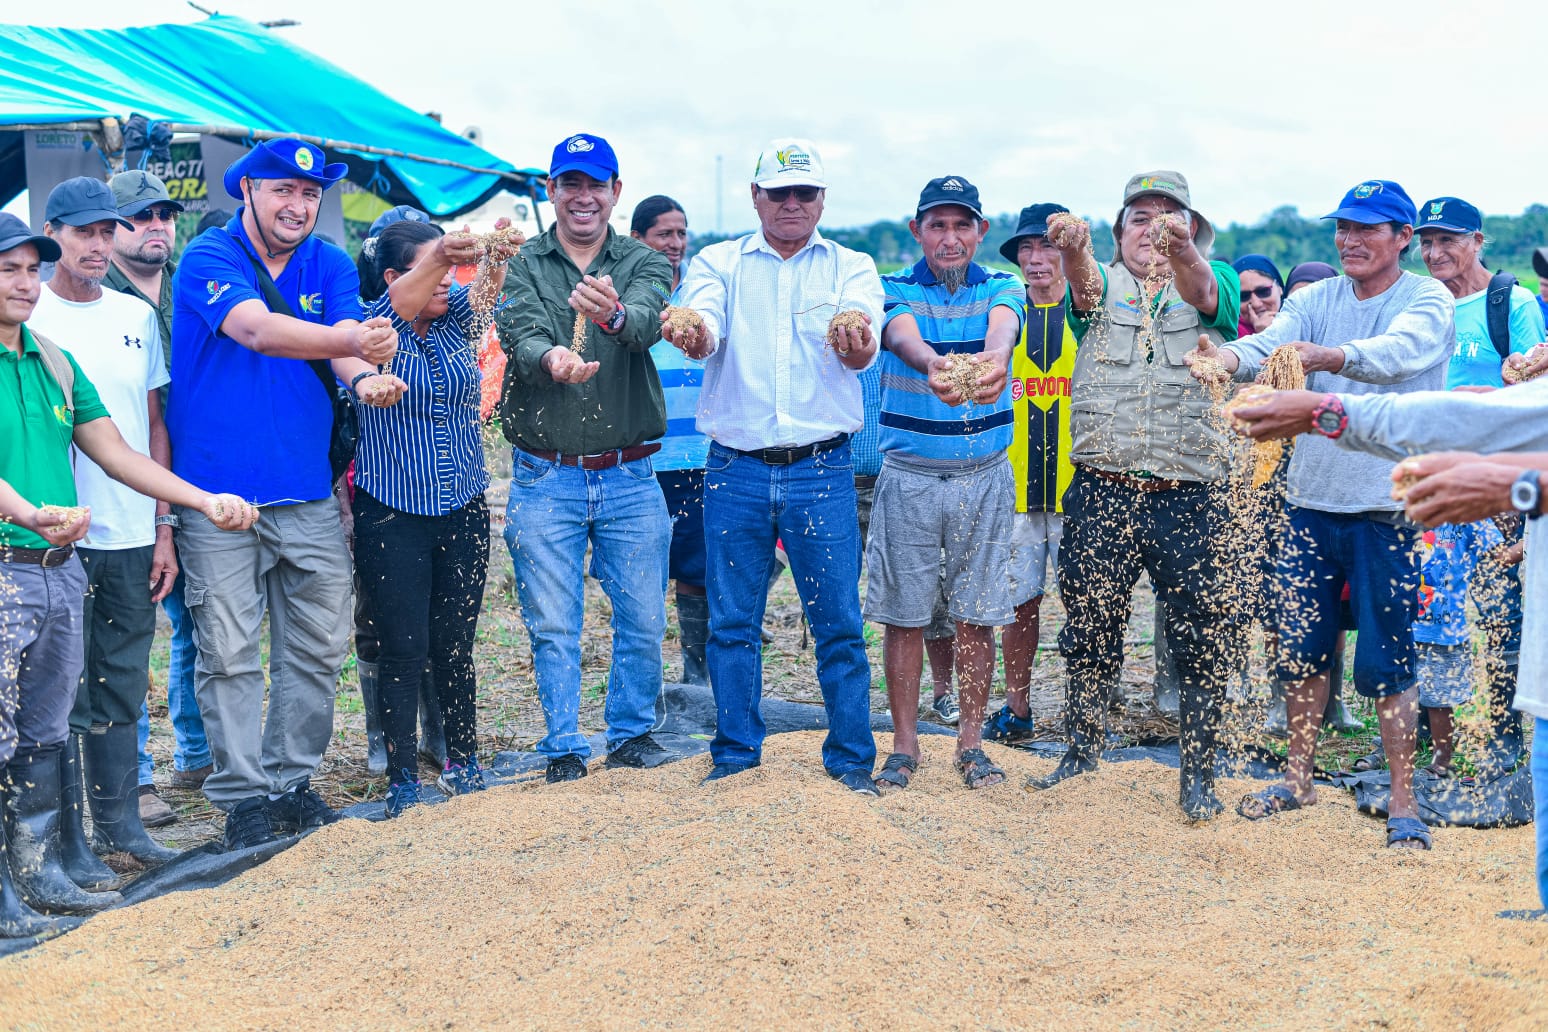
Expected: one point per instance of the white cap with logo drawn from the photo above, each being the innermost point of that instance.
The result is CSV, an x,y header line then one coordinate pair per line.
x,y
789,162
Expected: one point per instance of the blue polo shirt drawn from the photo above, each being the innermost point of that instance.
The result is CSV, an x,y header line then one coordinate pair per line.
x,y
913,420
241,422
682,378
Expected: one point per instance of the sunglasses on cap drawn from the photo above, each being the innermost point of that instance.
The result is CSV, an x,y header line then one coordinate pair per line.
x,y
781,194
1262,293
146,216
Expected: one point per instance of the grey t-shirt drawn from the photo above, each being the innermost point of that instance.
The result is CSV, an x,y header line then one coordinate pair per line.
x,y
1394,343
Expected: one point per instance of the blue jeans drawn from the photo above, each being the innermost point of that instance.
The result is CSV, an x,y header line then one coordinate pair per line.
x,y
192,750
554,510
809,506
1540,802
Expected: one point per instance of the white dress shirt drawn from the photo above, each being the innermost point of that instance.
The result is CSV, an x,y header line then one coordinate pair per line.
x,y
772,381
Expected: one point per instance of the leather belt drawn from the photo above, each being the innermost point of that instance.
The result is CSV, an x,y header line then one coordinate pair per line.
x,y
48,558
601,460
786,456
1133,483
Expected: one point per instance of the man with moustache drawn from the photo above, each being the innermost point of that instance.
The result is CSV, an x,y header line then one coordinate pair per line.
x,y
583,422
1150,461
945,487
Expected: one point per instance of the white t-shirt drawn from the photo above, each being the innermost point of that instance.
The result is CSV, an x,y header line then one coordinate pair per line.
x,y
117,343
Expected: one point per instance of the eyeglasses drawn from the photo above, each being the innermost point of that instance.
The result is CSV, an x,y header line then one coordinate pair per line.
x,y
146,216
781,194
1261,293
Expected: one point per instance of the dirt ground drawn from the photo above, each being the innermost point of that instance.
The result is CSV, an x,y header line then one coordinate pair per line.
x,y
777,900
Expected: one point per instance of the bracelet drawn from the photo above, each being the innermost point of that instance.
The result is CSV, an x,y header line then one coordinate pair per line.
x,y
354,383
169,520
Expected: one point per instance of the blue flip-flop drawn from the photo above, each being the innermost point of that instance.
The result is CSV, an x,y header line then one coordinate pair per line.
x,y
1407,829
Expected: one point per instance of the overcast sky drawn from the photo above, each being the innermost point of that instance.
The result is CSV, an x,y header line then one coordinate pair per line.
x,y
1257,104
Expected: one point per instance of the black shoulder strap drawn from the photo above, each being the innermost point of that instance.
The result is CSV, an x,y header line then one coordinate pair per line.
x,y
277,304
1498,312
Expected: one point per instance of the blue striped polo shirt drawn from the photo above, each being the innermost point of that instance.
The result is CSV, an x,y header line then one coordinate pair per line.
x,y
682,446
913,420
423,455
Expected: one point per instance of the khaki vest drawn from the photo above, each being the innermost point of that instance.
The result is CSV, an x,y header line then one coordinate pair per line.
x,y
1129,415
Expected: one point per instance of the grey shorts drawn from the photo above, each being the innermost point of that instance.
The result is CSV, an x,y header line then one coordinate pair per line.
x,y
1445,675
1035,538
940,529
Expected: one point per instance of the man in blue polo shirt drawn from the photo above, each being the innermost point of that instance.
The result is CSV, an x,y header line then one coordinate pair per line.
x,y
253,416
945,485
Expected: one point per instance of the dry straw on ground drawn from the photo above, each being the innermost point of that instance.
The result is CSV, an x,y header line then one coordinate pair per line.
x,y
777,900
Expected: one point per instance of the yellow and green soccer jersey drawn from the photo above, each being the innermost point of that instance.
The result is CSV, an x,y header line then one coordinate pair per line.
x,y
1041,368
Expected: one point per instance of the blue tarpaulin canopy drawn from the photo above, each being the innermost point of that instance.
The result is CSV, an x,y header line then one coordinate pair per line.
x,y
228,77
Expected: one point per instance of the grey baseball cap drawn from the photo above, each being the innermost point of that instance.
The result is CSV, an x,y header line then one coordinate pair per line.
x,y
135,191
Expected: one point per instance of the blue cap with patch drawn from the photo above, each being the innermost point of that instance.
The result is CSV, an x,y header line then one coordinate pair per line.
x,y
1375,201
283,159
584,153
1450,213
402,213
83,201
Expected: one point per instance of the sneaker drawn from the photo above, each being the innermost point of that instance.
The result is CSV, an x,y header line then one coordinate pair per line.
x,y
462,778
248,824
402,794
568,767
858,782
944,709
191,779
640,752
300,810
726,770
1007,728
154,811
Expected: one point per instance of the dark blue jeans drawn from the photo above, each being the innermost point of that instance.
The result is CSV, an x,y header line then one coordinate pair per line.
x,y
809,506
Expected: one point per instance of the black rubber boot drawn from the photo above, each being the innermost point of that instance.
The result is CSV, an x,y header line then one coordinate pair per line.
x,y
432,737
693,635
1336,715
1085,710
1502,753
1198,723
83,866
17,919
376,743
113,788
1167,699
32,805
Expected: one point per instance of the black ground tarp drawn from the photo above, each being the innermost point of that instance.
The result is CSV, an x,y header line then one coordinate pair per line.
x,y
687,724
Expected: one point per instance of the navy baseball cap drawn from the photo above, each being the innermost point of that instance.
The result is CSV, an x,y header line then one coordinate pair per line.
x,y
402,213
949,190
586,153
1033,222
283,159
1375,201
83,201
1450,213
14,232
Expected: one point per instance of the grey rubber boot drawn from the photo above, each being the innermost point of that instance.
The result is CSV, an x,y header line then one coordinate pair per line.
x,y
32,807
1198,721
693,634
83,865
113,789
1167,698
1276,722
1336,715
376,744
432,729
1502,753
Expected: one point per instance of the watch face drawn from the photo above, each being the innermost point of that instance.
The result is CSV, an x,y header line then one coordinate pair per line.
x,y
1328,421
1524,495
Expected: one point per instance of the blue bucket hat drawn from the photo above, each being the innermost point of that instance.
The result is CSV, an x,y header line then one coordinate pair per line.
x,y
1375,201
283,159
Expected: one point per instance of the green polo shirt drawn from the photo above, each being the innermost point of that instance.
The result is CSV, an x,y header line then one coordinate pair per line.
x,y
38,429
622,405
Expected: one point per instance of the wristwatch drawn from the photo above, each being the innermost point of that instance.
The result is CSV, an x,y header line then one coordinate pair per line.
x,y
614,322
1525,494
169,520
1328,418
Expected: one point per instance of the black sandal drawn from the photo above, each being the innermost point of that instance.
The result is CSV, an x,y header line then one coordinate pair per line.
x,y
896,773
977,771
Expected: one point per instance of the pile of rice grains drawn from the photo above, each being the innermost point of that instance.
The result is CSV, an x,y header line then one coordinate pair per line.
x,y
775,899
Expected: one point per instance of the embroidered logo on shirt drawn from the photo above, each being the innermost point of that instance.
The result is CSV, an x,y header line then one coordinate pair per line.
x,y
578,145
215,289
133,342
62,414
311,304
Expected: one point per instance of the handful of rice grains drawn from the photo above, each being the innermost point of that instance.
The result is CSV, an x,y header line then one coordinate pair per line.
x,y
852,320
962,373
69,515
685,322
1514,373
1409,476
494,249
1281,372
578,335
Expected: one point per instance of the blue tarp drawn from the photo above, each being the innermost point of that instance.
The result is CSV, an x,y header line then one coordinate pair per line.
x,y
229,72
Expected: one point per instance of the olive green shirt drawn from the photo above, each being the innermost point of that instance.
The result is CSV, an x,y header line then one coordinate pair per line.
x,y
622,404
38,430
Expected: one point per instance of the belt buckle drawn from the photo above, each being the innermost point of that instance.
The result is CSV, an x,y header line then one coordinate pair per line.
x,y
787,456
56,555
